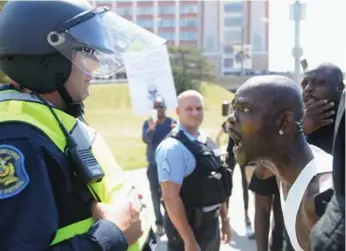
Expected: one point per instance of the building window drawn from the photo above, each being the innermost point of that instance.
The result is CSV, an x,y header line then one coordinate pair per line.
x,y
257,43
188,8
125,11
145,10
228,62
166,10
232,37
167,35
209,45
147,24
166,23
232,7
99,2
228,49
188,35
233,21
188,22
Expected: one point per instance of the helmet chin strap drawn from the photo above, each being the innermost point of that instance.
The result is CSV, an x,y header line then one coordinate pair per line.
x,y
65,95
72,108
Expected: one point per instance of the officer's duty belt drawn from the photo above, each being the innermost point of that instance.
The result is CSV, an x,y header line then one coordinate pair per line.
x,y
196,216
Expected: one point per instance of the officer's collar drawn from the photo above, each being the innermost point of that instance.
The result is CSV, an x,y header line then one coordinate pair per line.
x,y
15,94
202,137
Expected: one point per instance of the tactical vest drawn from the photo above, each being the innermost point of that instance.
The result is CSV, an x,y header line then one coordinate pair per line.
x,y
210,183
28,109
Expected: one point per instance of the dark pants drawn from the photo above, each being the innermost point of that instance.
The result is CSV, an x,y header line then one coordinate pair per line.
x,y
155,193
329,232
207,235
245,189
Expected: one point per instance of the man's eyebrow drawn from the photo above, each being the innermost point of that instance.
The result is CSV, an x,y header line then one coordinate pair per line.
x,y
243,101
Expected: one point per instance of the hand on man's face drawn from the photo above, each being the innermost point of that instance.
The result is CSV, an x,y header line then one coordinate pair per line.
x,y
317,114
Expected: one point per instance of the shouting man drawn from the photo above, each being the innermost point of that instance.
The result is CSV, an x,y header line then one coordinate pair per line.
x,y
266,125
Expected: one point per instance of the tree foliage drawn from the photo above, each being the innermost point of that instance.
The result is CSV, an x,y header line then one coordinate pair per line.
x,y
2,3
189,68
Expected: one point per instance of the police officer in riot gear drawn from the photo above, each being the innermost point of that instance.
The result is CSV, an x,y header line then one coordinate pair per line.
x,y
194,185
57,191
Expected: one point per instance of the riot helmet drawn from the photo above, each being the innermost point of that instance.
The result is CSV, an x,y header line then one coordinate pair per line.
x,y
40,40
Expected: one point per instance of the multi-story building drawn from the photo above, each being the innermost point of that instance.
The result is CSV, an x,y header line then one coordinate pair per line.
x,y
176,21
226,25
218,28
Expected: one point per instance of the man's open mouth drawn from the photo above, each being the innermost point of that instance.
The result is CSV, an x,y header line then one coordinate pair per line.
x,y
236,139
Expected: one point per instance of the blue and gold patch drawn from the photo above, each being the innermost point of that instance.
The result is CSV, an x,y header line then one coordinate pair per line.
x,y
13,176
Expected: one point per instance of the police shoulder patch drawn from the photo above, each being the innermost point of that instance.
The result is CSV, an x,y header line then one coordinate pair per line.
x,y
13,176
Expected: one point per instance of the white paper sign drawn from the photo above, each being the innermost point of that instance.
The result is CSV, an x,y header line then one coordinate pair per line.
x,y
150,76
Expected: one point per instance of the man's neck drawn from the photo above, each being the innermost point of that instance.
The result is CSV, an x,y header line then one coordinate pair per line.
x,y
160,120
193,131
290,161
54,99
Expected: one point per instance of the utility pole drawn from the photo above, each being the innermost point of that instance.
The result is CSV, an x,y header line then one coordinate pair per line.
x,y
242,56
297,14
242,42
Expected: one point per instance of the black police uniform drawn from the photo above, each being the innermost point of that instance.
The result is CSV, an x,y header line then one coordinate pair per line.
x,y
209,184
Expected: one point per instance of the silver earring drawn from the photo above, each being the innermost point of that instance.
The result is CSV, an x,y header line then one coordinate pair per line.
x,y
281,132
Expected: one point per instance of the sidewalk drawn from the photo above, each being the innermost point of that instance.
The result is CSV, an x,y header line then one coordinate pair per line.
x,y
239,240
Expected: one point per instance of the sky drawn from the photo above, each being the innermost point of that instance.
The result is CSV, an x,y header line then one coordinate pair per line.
x,y
323,34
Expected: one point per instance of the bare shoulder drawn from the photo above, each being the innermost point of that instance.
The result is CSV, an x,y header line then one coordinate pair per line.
x,y
262,171
317,196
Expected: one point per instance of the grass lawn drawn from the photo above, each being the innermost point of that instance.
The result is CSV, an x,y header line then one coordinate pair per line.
x,y
108,110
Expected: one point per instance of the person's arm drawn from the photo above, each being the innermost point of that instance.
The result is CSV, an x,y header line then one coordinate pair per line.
x,y
171,167
225,223
29,216
218,137
224,212
147,133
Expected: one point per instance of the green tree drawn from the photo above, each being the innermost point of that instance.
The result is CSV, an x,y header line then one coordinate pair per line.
x,y
2,4
189,68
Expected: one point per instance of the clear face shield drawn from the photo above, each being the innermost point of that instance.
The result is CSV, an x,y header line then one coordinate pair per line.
x,y
95,41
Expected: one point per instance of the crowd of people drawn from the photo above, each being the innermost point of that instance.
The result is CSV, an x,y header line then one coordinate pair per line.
x,y
285,132
60,188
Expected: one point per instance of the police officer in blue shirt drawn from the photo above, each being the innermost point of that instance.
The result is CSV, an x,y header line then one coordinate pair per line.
x,y
194,184
52,179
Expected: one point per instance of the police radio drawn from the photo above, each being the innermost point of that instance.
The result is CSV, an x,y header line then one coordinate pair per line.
x,y
85,163
86,166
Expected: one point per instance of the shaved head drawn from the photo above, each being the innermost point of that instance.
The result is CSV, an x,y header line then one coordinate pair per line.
x,y
189,94
323,83
278,93
190,110
267,114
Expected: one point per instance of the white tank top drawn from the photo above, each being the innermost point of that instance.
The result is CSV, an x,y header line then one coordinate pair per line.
x,y
321,163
